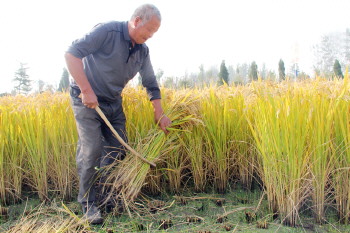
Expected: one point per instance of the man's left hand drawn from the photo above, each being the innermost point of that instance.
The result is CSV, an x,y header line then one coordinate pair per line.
x,y
163,122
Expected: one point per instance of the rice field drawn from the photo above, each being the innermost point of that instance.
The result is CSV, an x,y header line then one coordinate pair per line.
x,y
293,138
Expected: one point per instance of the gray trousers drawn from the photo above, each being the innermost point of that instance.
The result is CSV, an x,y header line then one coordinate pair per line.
x,y
97,146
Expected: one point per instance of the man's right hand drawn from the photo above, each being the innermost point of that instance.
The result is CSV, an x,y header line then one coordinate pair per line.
x,y
76,69
89,99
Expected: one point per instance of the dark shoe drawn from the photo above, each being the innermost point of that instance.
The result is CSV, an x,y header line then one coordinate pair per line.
x,y
92,214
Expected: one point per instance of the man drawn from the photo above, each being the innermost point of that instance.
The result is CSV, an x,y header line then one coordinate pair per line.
x,y
101,63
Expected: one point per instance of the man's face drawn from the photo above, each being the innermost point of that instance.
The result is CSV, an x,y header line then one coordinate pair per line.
x,y
141,33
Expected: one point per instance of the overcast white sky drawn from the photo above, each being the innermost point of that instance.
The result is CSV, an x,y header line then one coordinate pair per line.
x,y
37,32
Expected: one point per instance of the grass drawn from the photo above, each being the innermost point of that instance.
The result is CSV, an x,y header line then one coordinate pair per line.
x,y
237,210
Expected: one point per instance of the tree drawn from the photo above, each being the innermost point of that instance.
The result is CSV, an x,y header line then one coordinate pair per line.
x,y
263,72
64,82
201,75
41,85
211,75
240,74
223,74
185,83
253,71
281,70
23,83
347,47
330,48
4,94
303,76
294,71
271,75
337,69
159,75
169,82
50,88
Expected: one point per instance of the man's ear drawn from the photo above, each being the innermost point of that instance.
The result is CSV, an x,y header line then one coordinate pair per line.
x,y
137,21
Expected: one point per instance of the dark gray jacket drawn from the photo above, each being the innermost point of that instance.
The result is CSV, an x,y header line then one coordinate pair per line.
x,y
110,61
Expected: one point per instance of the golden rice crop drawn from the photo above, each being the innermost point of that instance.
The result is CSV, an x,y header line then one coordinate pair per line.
x,y
293,135
129,176
38,137
341,171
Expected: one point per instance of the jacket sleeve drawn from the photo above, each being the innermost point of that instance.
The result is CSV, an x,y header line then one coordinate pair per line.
x,y
149,80
89,43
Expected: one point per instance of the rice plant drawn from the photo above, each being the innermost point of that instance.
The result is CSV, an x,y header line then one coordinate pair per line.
x,y
195,149
294,136
62,137
216,108
11,153
342,147
280,129
129,176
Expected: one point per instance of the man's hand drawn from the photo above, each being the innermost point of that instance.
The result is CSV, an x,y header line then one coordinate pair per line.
x,y
89,99
76,69
162,120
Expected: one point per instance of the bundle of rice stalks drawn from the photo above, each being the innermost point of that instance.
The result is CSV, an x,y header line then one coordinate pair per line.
x,y
128,177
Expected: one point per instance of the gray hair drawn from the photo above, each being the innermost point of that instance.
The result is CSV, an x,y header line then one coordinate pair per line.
x,y
145,12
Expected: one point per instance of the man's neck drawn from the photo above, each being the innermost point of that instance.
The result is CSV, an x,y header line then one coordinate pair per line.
x,y
130,30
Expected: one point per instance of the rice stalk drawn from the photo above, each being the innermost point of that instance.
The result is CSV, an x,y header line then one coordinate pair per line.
x,y
280,129
242,138
342,145
177,160
129,176
11,153
195,149
50,219
34,134
62,140
219,122
321,146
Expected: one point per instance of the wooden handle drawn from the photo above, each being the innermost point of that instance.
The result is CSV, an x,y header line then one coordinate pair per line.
x,y
102,115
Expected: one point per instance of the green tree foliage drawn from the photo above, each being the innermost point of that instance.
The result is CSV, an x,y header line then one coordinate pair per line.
x,y
281,70
253,71
337,69
22,81
223,74
64,82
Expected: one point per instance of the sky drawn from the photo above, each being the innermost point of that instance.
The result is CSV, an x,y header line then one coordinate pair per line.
x,y
193,33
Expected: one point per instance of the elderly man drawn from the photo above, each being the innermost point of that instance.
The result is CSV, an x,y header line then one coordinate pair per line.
x,y
101,63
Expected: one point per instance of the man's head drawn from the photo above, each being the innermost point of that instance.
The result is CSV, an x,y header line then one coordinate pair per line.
x,y
144,23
